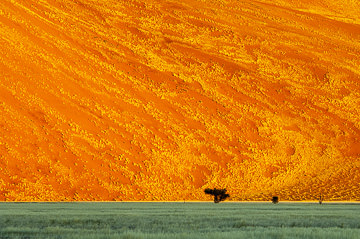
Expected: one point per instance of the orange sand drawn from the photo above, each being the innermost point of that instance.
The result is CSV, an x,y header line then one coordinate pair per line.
x,y
160,99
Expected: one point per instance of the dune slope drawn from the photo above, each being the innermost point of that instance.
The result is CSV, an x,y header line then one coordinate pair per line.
x,y
158,100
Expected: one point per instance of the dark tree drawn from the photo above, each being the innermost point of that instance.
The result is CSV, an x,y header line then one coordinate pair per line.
x,y
219,194
321,199
275,199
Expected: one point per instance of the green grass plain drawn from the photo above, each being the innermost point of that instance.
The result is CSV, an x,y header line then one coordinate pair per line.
x,y
179,220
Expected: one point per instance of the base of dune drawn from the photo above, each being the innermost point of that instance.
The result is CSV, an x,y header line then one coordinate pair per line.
x,y
195,201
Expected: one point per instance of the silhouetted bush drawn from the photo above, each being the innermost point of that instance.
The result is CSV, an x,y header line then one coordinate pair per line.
x,y
275,199
321,199
219,194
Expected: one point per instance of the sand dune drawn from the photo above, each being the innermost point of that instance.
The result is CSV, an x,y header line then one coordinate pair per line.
x,y
158,100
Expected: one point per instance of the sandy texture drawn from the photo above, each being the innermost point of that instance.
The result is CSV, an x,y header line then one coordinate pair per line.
x,y
160,99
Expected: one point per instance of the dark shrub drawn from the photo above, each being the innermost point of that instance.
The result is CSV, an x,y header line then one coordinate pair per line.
x,y
219,194
321,199
275,199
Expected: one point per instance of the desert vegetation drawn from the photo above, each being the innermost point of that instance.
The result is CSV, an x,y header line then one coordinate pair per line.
x,y
219,194
275,200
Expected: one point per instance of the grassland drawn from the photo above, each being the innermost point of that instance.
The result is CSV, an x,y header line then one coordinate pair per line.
x,y
179,220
